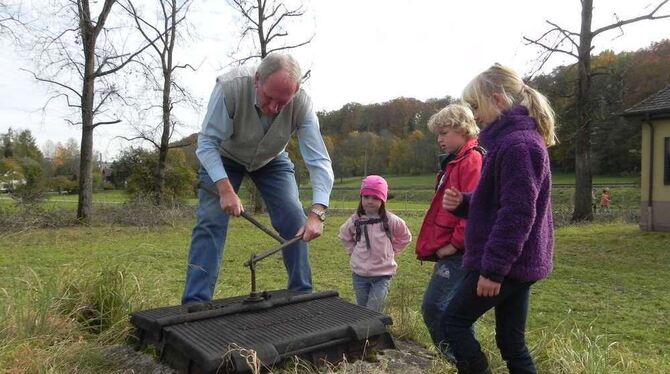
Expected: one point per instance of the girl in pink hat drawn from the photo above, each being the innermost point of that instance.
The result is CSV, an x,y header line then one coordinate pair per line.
x,y
373,237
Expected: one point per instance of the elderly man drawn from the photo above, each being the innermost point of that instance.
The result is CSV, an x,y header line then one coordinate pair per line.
x,y
250,118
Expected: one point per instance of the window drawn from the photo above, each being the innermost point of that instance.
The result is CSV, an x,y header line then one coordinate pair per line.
x,y
666,162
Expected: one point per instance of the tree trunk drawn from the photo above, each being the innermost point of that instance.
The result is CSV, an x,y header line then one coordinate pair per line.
x,y
85,202
256,198
261,32
159,177
583,173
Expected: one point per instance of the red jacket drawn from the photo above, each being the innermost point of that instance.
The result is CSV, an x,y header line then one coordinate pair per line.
x,y
440,227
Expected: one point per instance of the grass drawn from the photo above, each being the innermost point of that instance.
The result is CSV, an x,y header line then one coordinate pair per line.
x,y
65,293
409,193
56,201
569,178
427,181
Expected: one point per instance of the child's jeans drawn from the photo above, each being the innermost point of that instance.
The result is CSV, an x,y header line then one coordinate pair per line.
x,y
447,275
371,291
511,311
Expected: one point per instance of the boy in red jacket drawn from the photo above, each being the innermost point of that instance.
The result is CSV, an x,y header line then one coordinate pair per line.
x,y
441,238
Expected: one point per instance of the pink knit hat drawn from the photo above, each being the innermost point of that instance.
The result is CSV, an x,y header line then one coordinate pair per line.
x,y
374,185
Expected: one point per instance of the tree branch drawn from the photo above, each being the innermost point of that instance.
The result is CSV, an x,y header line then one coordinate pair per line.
x,y
291,46
102,18
137,18
275,36
100,73
245,12
649,16
103,99
244,60
106,123
139,137
53,82
551,49
568,34
67,99
72,123
289,13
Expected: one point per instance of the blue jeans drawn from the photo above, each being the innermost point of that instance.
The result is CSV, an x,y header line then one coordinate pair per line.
x,y
511,312
371,291
446,277
276,183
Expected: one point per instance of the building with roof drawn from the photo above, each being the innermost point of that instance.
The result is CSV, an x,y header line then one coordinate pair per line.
x,y
653,114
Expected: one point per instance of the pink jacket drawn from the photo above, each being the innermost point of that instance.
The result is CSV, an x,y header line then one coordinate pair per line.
x,y
380,258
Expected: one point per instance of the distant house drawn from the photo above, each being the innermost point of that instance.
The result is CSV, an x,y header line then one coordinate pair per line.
x,y
10,180
653,114
106,171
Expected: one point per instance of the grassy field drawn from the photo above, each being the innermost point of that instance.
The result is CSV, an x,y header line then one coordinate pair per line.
x,y
603,310
409,193
401,182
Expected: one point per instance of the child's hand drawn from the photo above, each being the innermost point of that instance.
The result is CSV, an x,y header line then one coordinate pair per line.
x,y
452,198
487,287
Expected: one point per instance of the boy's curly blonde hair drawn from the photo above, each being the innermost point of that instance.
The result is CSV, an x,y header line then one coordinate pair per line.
x,y
455,116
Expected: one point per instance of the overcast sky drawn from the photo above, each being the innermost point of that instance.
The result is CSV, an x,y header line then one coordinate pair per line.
x,y
363,51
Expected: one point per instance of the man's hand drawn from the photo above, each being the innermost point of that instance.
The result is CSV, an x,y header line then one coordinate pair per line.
x,y
230,202
452,198
448,250
313,227
487,287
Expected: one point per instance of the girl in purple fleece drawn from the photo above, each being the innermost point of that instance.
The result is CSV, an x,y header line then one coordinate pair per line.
x,y
509,235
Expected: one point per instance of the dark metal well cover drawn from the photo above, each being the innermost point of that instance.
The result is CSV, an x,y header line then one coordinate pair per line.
x,y
225,335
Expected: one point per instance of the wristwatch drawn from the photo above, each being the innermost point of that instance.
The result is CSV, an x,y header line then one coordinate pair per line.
x,y
320,214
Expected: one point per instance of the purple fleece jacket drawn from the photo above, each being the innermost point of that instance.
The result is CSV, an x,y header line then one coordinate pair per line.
x,y
510,228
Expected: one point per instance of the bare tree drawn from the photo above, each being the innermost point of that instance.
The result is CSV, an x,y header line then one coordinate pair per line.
x,y
162,37
264,22
79,60
579,45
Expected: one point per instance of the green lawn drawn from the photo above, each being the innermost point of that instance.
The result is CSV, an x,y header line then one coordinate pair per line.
x,y
561,178
427,181
408,193
603,310
54,200
398,182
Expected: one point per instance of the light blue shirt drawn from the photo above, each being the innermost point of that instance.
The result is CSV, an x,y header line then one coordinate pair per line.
x,y
217,126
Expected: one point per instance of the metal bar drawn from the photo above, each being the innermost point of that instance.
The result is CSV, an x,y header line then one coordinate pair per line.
x,y
262,227
240,307
284,243
247,216
272,251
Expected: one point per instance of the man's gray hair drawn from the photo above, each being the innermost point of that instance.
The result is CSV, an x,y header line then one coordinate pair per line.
x,y
275,62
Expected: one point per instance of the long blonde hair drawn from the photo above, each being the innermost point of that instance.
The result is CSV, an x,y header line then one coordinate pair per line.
x,y
506,82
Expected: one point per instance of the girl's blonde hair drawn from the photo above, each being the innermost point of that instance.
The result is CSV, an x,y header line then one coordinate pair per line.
x,y
455,116
506,82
